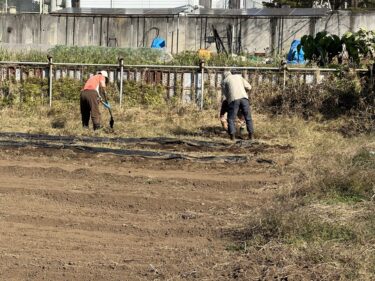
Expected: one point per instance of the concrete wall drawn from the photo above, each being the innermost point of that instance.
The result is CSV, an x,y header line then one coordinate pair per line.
x,y
256,35
181,32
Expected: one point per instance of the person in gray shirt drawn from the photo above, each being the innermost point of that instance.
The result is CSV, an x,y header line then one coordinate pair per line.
x,y
234,89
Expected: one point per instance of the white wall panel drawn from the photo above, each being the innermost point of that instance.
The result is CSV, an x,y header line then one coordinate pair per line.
x,y
218,4
95,3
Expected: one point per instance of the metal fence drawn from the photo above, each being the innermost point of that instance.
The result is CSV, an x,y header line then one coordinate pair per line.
x,y
189,82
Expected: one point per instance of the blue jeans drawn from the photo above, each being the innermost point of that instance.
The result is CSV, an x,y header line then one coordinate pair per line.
x,y
233,108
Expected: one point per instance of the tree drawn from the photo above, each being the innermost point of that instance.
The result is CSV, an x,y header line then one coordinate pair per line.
x,y
335,4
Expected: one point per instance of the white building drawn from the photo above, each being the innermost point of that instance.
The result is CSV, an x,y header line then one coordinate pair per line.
x,y
215,4
143,4
248,4
45,6
240,4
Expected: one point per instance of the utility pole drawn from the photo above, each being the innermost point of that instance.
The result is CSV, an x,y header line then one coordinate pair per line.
x,y
6,6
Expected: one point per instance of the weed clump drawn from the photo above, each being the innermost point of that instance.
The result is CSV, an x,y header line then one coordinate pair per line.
x,y
344,95
294,226
58,122
347,188
352,181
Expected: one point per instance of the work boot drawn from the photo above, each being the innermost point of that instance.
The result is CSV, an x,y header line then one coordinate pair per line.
x,y
251,137
85,127
232,137
242,130
97,127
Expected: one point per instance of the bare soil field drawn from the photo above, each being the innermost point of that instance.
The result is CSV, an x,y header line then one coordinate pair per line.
x,y
132,209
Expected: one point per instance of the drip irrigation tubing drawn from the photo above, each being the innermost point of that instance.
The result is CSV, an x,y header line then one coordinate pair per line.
x,y
125,152
242,149
73,139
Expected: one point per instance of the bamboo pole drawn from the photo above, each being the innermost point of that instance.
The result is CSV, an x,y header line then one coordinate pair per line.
x,y
50,77
121,62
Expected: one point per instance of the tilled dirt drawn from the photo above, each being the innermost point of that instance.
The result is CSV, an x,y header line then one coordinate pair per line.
x,y
69,214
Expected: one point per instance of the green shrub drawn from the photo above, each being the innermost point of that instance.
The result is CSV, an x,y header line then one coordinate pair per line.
x,y
131,56
67,89
136,94
33,91
32,55
321,48
8,95
105,55
186,58
324,47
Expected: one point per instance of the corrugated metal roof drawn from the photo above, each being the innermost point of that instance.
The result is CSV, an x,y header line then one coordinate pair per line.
x,y
248,13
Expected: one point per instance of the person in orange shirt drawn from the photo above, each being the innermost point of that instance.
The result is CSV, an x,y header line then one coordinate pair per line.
x,y
90,99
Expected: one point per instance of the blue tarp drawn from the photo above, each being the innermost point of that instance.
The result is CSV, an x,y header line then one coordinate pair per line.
x,y
158,43
295,57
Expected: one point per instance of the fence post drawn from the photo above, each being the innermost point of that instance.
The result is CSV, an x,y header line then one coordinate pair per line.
x,y
121,62
50,76
317,76
284,69
371,69
201,68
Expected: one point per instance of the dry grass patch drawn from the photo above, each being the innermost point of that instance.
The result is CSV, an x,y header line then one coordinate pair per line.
x,y
185,121
321,227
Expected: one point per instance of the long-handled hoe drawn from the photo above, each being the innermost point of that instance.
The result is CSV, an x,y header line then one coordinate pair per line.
x,y
108,106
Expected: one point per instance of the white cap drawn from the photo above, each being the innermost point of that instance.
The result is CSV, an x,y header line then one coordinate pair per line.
x,y
227,73
104,73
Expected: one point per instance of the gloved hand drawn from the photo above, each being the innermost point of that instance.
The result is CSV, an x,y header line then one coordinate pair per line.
x,y
224,122
106,105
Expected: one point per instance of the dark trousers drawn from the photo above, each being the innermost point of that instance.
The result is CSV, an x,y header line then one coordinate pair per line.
x,y
244,106
225,107
90,106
